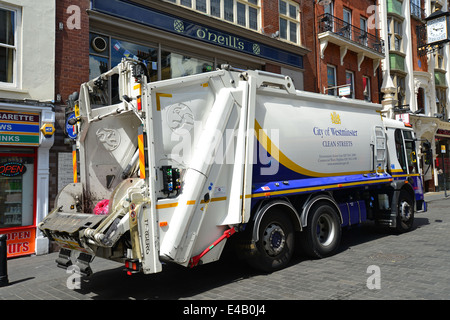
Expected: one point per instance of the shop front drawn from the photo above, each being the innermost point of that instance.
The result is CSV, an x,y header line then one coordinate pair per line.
x,y
26,135
174,41
442,159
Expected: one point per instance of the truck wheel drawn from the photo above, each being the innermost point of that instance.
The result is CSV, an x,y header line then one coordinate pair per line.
x,y
322,235
405,215
275,246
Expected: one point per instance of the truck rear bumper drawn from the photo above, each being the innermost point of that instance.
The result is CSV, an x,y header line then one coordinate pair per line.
x,y
67,229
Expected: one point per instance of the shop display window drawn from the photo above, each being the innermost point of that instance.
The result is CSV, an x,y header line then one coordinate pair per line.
x,y
17,187
175,65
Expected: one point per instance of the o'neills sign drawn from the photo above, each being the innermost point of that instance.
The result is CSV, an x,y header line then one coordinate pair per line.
x,y
139,13
12,169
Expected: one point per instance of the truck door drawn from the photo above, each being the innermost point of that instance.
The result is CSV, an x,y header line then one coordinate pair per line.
x,y
405,146
406,151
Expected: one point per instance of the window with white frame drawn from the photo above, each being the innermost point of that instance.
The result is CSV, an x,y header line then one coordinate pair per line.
x,y
350,79
331,80
347,25
395,33
363,30
399,82
439,58
244,13
8,45
366,86
289,28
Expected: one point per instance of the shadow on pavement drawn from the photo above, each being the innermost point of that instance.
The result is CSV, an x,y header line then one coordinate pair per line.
x,y
177,282
173,283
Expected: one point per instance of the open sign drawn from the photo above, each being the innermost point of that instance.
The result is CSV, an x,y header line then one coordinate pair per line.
x,y
12,169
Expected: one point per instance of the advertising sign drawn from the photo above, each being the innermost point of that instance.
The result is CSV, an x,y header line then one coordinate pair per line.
x,y
70,129
344,91
140,14
19,128
21,242
12,169
404,117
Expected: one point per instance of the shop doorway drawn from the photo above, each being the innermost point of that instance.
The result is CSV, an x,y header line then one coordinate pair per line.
x,y
18,168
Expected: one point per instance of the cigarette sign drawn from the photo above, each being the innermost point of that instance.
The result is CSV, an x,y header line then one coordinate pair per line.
x,y
19,128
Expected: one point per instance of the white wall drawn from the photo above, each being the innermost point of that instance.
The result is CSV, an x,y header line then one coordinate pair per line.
x,y
36,51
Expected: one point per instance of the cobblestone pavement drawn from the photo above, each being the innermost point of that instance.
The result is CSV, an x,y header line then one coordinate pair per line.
x,y
414,265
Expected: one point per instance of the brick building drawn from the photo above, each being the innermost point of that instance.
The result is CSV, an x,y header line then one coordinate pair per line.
x,y
349,49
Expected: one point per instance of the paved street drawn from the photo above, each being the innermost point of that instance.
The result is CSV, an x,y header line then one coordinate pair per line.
x,y
410,266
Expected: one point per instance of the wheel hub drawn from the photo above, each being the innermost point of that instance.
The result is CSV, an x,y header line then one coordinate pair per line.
x,y
405,211
274,239
325,230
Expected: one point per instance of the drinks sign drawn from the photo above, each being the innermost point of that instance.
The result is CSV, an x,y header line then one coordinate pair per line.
x,y
19,128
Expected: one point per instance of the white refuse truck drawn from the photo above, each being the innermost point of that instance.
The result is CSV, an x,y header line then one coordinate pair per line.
x,y
177,167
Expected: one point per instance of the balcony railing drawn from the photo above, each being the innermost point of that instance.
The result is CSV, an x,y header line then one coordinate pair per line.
x,y
417,11
328,22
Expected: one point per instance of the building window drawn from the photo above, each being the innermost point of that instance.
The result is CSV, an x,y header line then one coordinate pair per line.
x,y
8,45
328,10
347,29
395,32
399,82
439,58
174,65
215,8
363,31
244,13
331,80
441,102
289,21
200,5
366,91
350,79
106,52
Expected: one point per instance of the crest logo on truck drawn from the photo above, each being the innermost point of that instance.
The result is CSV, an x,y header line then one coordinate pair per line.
x,y
335,118
110,138
180,118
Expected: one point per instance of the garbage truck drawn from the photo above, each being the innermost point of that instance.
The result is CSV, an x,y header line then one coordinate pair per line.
x,y
178,168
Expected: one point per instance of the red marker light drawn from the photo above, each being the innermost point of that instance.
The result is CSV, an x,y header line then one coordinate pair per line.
x,y
139,103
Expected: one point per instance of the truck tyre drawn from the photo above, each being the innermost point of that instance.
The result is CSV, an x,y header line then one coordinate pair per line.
x,y
405,215
322,235
275,246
